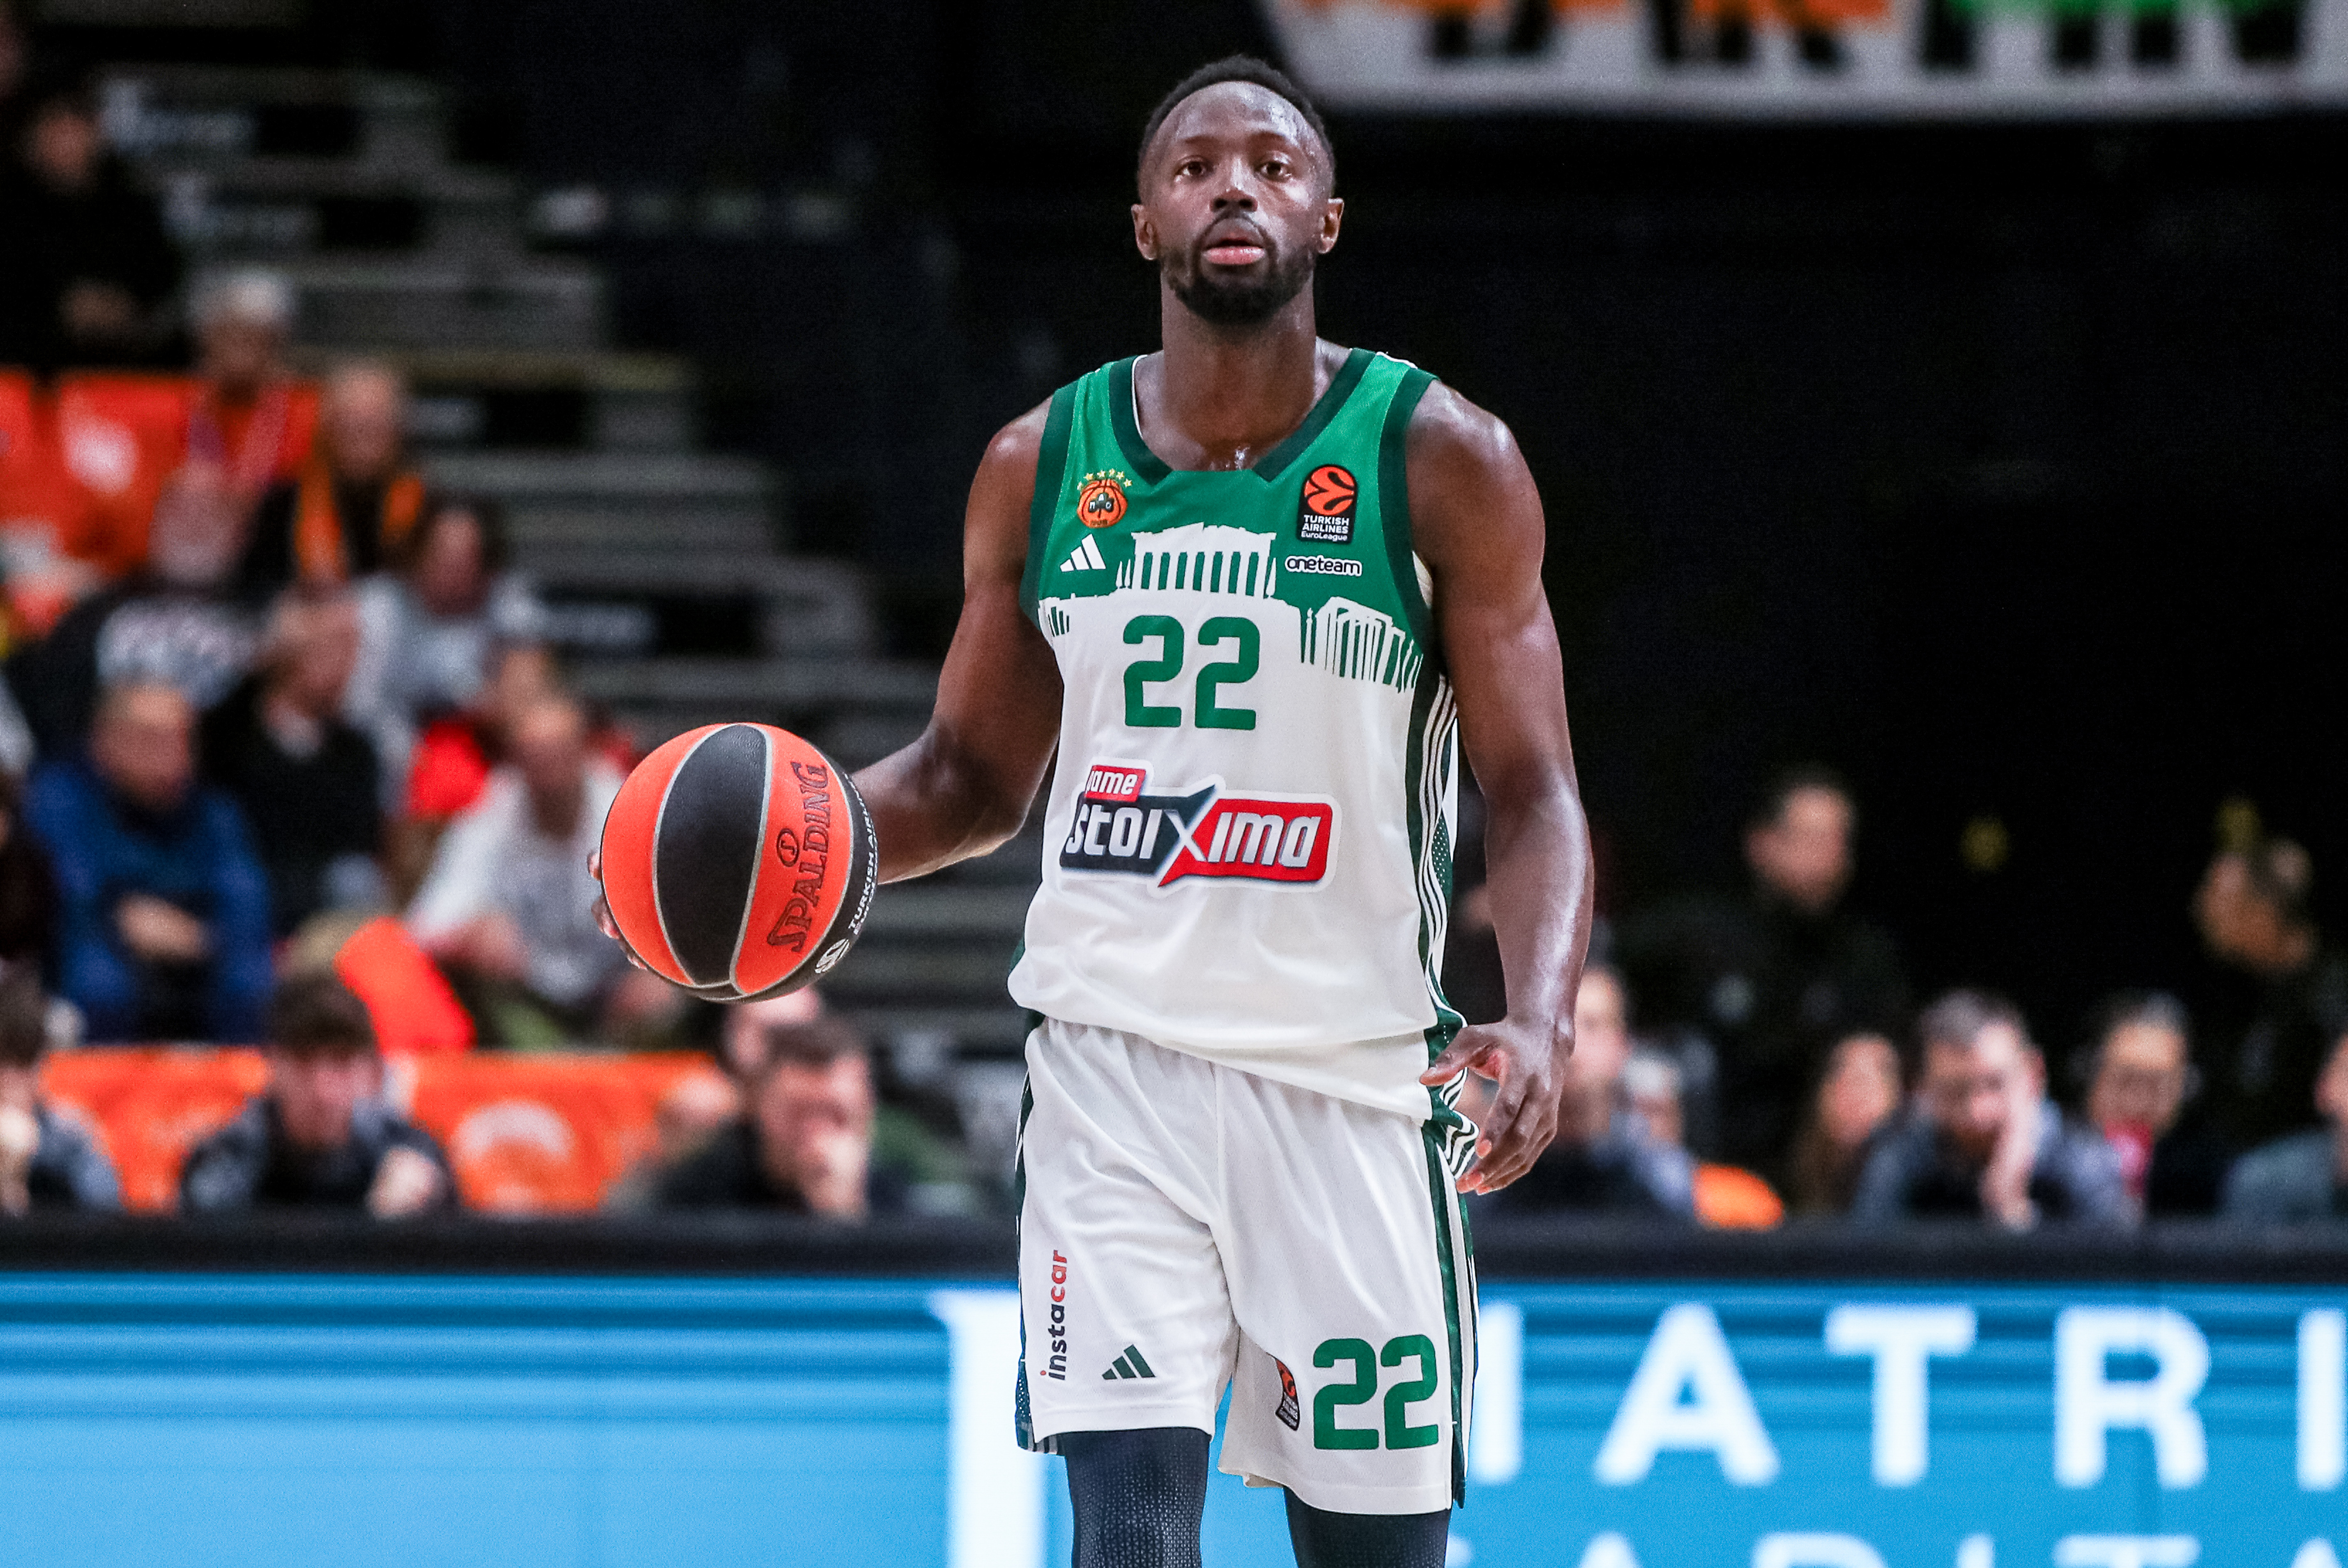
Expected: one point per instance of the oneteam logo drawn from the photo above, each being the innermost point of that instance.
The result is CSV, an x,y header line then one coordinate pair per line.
x,y
1325,566
1120,828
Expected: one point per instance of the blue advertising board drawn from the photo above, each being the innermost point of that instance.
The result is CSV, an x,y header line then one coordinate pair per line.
x,y
196,1419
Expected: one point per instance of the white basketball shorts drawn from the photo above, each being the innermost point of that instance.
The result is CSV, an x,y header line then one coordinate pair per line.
x,y
1185,1227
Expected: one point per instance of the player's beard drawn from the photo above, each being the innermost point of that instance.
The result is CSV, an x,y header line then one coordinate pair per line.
x,y
1228,301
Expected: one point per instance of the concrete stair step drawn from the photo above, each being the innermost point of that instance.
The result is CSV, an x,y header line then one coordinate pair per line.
x,y
274,210
930,911
756,689
548,483
400,303
733,532
219,113
996,1029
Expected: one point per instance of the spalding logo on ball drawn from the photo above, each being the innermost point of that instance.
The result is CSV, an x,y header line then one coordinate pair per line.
x,y
739,862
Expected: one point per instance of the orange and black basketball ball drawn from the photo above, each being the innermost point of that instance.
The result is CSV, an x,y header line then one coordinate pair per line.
x,y
739,862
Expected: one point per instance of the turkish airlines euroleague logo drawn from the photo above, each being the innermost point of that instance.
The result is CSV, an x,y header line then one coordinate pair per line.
x,y
1325,515
1120,828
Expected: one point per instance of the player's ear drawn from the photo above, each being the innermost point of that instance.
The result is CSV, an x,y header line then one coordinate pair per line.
x,y
1145,233
1333,217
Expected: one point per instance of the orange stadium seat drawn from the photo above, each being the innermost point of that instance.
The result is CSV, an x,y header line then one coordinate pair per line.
x,y
415,1012
542,1134
43,513
525,1134
150,1105
120,436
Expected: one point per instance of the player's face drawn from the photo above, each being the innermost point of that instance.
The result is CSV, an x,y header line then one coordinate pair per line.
x,y
1235,206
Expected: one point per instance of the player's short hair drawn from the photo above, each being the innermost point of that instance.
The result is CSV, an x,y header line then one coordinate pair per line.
x,y
1958,1018
1245,68
1769,805
318,1016
816,1042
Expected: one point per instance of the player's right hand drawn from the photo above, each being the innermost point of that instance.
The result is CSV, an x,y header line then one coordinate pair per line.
x,y
1530,1065
603,913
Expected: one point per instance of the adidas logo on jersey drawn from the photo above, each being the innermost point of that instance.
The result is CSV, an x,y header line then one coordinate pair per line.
x,y
1129,1365
1087,558
1118,827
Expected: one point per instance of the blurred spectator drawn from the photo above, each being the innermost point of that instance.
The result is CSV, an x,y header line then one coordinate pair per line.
x,y
93,266
2140,1077
509,905
250,418
702,1104
1775,977
46,1160
1857,1096
1603,1160
28,890
162,908
356,501
1726,1197
1981,1141
2303,1177
2255,909
321,1136
307,781
804,1145
175,621
430,632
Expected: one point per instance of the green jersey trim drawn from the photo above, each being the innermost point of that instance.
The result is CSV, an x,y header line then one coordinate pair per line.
x,y
1393,506
1051,469
1150,465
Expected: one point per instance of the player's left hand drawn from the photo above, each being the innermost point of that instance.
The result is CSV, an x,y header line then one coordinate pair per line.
x,y
1530,1065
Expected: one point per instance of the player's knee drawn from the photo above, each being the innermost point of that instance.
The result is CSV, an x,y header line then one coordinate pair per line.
x,y
1324,1540
1136,1496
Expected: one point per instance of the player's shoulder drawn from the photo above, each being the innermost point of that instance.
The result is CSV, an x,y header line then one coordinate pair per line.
x,y
1452,436
1018,444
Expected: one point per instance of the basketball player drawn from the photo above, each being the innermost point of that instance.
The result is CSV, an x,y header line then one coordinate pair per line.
x,y
1256,590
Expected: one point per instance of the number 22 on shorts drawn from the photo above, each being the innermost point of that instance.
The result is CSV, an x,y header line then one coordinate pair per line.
x,y
1399,1432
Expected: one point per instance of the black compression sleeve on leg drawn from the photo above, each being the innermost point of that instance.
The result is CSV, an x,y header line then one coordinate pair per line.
x,y
1138,1496
1366,1540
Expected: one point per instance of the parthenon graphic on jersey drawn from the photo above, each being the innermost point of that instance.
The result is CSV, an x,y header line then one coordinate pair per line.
x,y
1361,643
1201,558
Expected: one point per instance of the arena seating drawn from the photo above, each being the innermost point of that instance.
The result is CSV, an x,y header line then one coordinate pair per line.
x,y
525,1134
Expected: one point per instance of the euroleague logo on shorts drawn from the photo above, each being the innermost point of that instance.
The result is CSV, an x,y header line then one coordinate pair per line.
x,y
1118,827
1325,516
1101,503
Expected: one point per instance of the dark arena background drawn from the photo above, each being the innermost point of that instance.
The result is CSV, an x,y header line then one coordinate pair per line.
x,y
1940,410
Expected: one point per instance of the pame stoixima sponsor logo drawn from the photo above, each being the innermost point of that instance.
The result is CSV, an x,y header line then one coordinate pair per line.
x,y
1122,828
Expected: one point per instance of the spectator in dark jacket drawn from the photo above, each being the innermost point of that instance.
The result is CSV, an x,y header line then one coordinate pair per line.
x,y
805,1146
1981,1141
95,267
321,1136
46,1160
2303,1177
1775,977
1858,1095
2140,1079
308,782
176,620
358,500
162,908
2256,911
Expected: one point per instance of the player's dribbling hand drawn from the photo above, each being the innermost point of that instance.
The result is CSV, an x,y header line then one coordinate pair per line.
x,y
603,914
1530,1066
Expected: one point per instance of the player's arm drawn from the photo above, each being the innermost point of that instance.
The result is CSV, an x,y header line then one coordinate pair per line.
x,y
1476,520
966,785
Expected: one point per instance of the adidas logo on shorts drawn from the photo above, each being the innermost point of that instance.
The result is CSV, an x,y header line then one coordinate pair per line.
x,y
1129,1365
